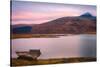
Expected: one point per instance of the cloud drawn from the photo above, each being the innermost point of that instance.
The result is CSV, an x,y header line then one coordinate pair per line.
x,y
39,17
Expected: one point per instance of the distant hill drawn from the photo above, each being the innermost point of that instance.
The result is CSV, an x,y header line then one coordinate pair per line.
x,y
88,15
23,29
79,24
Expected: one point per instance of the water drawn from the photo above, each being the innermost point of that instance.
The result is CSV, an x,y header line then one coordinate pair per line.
x,y
62,47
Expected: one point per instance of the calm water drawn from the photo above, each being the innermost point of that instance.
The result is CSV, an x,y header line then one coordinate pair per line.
x,y
62,47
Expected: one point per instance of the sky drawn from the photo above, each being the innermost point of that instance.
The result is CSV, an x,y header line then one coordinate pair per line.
x,y
24,12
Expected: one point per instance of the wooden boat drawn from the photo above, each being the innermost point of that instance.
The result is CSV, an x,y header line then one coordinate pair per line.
x,y
32,54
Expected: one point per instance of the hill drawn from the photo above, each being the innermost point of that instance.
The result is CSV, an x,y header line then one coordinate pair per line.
x,y
74,25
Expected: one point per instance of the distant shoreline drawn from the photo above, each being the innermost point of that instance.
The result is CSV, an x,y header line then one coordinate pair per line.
x,y
17,62
15,36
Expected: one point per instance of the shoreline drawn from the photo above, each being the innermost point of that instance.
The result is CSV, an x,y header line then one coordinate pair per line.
x,y
15,36
19,62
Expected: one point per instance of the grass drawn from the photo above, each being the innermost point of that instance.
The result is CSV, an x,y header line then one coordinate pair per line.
x,y
15,36
91,33
19,62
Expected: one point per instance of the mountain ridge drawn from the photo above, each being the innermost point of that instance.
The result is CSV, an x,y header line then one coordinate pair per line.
x,y
80,24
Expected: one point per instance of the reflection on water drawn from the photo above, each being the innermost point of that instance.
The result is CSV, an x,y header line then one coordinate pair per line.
x,y
88,45
62,47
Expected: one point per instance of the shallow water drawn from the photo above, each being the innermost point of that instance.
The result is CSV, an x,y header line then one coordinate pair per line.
x,y
62,47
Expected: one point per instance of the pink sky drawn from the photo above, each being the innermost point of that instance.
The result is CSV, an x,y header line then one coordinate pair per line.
x,y
38,17
36,13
